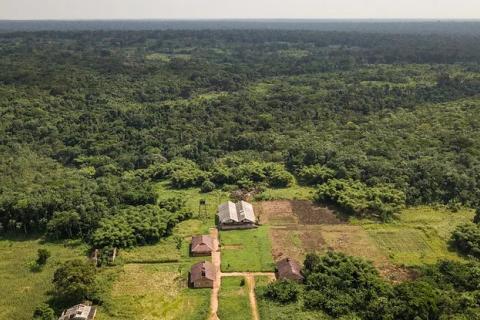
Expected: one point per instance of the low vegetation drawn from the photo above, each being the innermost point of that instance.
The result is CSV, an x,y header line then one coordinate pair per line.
x,y
246,250
233,299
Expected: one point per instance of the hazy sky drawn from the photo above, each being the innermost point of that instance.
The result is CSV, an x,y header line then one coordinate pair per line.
x,y
216,9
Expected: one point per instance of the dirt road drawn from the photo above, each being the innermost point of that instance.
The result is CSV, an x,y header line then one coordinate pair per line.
x,y
216,261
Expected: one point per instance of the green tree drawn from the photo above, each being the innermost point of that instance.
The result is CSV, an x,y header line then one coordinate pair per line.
x,y
74,281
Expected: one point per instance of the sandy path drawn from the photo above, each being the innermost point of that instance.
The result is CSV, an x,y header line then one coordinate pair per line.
x,y
216,261
251,295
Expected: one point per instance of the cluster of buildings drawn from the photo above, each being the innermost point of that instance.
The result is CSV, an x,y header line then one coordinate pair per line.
x,y
231,216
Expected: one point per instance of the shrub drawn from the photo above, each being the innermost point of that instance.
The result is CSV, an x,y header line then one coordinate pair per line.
x,y
207,186
42,256
283,291
44,312
316,174
466,239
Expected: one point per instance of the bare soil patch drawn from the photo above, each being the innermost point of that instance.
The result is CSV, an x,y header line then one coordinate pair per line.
x,y
285,212
309,213
275,212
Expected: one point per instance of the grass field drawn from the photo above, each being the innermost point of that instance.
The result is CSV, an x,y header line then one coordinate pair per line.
x,y
233,300
246,250
152,283
420,236
154,291
21,290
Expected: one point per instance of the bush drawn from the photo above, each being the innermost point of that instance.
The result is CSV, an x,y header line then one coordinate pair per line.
x,y
44,312
42,256
283,291
316,174
207,186
466,239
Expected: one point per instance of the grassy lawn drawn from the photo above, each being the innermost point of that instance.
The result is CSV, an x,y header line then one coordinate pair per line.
x,y
154,291
246,250
233,300
420,236
21,290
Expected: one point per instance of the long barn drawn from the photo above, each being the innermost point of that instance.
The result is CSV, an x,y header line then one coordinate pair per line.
x,y
238,215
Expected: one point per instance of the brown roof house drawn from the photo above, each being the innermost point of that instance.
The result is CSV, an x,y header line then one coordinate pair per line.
x,y
238,215
202,275
289,269
201,246
79,312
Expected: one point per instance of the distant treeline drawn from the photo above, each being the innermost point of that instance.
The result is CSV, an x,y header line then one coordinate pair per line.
x,y
371,26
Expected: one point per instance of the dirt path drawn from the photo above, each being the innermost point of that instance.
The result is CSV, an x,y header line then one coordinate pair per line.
x,y
216,261
251,295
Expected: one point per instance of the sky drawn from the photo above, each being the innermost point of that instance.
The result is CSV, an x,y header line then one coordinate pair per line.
x,y
239,9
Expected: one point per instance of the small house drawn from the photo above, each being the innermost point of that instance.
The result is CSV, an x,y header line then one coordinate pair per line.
x,y
238,215
289,269
201,246
202,275
79,312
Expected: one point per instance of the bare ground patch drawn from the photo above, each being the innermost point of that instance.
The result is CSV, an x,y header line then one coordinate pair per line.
x,y
275,212
309,213
285,212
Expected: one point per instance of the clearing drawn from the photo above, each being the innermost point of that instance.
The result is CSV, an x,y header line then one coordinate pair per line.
x,y
246,250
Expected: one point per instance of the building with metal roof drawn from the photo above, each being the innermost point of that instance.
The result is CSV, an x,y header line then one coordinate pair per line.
x,y
238,215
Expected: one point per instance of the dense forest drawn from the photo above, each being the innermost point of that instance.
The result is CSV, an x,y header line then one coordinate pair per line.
x,y
90,119
375,122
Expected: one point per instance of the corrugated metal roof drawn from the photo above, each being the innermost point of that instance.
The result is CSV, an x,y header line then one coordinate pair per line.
x,y
231,212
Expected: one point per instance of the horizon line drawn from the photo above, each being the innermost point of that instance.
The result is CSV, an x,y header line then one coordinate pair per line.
x,y
253,19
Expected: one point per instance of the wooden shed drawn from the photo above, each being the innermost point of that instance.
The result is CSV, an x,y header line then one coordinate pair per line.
x,y
289,269
202,275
